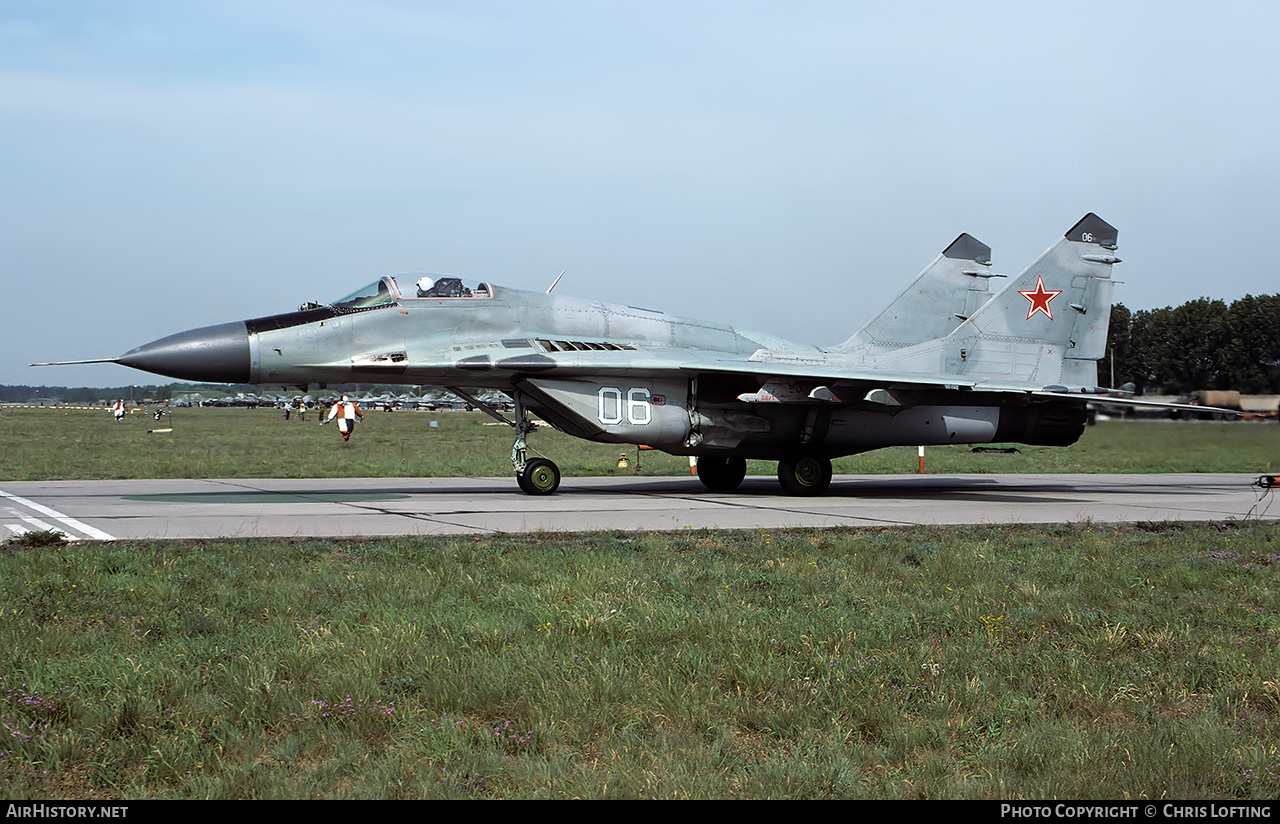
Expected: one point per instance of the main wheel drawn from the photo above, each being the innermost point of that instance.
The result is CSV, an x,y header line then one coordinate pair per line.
x,y
722,474
540,477
805,474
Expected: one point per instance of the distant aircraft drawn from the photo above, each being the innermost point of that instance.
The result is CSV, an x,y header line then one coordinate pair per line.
x,y
946,363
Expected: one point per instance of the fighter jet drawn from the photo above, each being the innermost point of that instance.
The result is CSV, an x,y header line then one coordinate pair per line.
x,y
946,363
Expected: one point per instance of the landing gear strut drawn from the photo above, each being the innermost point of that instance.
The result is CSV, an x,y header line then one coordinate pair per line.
x,y
535,477
538,476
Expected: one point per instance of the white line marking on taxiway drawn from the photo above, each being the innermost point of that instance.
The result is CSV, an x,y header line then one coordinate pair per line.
x,y
65,520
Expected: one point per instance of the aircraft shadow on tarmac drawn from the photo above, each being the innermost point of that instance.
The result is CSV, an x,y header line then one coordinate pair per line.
x,y
925,488
854,491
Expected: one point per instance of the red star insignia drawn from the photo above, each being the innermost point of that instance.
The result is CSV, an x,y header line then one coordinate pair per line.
x,y
1040,298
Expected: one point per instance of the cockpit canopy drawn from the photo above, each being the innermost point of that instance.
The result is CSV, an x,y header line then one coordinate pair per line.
x,y
379,293
389,290
440,286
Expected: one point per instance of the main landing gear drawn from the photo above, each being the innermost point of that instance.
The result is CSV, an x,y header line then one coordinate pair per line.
x,y
805,473
801,473
721,474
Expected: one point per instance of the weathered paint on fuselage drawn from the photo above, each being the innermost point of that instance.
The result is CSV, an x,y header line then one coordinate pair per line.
x,y
610,373
496,341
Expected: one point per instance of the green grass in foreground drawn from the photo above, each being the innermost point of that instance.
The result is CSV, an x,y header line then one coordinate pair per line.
x,y
1013,662
50,444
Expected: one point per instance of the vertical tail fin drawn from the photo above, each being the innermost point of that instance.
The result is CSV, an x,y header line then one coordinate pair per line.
x,y
949,290
1049,325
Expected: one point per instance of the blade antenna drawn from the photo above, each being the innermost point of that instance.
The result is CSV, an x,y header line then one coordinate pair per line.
x,y
557,280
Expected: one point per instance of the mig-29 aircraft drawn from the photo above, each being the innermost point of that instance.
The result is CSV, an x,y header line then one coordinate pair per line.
x,y
947,363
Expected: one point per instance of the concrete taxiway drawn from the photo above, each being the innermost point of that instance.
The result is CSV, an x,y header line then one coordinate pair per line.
x,y
319,508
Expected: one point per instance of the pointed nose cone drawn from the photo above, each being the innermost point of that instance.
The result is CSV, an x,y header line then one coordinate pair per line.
x,y
211,354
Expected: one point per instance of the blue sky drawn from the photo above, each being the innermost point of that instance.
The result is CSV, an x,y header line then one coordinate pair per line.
x,y
784,166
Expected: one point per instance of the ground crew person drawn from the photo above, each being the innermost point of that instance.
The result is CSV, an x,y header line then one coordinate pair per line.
x,y
346,412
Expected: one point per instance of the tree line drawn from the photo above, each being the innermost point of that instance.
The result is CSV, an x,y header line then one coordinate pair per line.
x,y
1202,344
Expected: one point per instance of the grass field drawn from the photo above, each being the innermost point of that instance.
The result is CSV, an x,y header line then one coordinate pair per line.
x,y
42,444
1075,661
1010,663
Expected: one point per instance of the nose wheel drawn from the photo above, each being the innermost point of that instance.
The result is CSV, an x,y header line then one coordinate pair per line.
x,y
539,477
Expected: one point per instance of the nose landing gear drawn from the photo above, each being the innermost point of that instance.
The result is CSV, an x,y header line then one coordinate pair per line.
x,y
539,476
